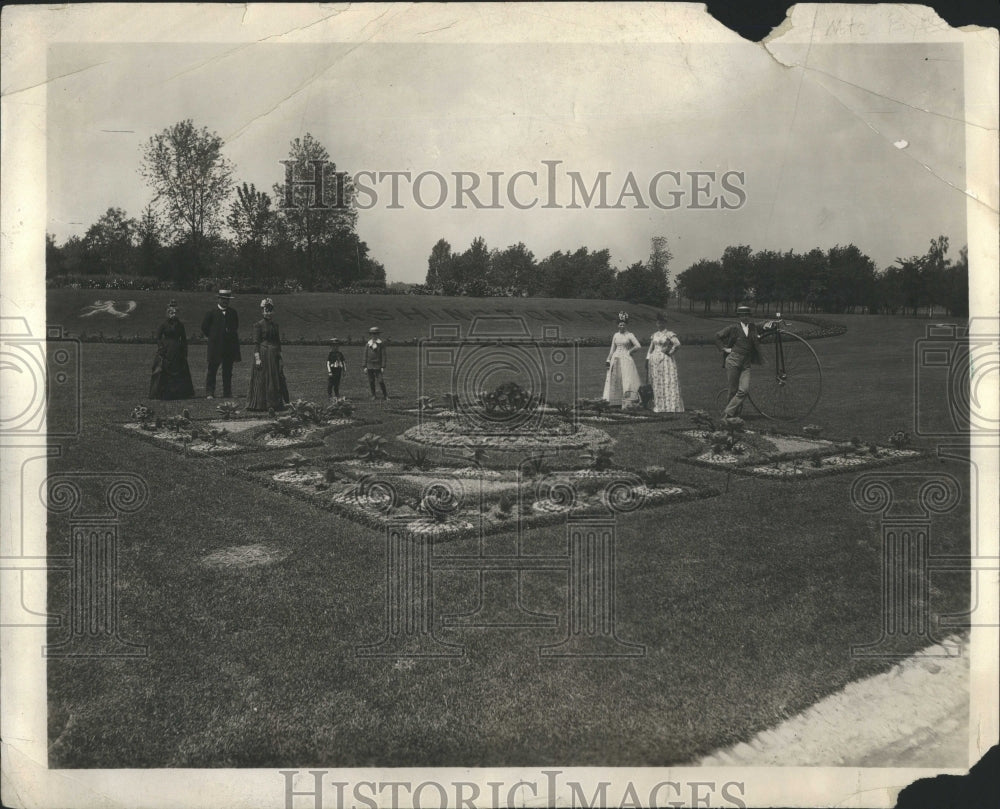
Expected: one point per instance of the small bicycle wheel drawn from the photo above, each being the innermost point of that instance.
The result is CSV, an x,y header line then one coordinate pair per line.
x,y
790,383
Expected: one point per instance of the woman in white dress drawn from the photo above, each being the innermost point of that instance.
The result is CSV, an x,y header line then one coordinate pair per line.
x,y
662,369
621,385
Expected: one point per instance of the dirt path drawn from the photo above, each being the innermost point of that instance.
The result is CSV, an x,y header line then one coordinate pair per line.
x,y
914,715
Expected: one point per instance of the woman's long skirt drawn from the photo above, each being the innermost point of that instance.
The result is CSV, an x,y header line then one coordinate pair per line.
x,y
268,389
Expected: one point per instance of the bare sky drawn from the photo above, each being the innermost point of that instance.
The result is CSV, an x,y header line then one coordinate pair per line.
x,y
865,146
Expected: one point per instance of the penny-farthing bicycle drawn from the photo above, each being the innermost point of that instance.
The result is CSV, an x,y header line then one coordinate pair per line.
x,y
788,386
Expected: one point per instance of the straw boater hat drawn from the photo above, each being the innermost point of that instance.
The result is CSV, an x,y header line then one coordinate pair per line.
x,y
743,309
226,293
334,339
374,330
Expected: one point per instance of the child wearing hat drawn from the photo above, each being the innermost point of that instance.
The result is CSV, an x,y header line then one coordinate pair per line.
x,y
335,367
375,361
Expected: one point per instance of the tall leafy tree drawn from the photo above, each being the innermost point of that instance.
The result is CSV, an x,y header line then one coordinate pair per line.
x,y
474,267
438,265
313,223
191,178
511,270
701,282
659,269
736,268
633,284
149,243
251,220
110,241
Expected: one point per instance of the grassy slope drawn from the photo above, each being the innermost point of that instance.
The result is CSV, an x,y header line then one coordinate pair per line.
x,y
747,603
317,317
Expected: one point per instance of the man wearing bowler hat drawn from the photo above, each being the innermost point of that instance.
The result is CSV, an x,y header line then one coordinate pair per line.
x,y
375,361
739,346
222,328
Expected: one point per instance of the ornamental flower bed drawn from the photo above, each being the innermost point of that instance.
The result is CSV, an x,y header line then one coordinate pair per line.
x,y
200,441
303,425
448,502
790,457
455,433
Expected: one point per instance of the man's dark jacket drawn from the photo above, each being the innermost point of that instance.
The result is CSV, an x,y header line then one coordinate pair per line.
x,y
744,346
222,328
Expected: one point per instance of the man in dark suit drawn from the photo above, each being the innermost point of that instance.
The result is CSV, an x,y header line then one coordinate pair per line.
x,y
739,345
375,361
222,328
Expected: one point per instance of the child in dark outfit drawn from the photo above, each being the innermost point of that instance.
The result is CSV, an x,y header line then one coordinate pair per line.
x,y
335,366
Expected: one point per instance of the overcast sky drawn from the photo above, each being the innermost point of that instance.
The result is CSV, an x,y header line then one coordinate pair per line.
x,y
866,146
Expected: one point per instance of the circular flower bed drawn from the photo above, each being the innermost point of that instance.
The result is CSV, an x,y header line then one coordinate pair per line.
x,y
538,439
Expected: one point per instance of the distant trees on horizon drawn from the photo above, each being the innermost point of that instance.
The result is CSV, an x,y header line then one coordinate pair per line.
x,y
180,237
196,230
839,280
514,272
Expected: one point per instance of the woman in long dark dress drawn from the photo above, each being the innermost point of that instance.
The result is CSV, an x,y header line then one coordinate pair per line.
x,y
171,377
268,389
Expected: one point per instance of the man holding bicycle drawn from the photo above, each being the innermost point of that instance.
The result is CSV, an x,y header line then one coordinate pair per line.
x,y
738,343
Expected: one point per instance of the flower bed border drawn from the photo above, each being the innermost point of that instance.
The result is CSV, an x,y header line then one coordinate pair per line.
x,y
246,442
489,526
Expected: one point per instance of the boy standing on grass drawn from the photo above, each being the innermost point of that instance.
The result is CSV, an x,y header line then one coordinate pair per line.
x,y
375,361
335,367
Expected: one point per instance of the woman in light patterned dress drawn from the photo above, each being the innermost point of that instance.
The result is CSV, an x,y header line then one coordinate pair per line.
x,y
663,369
621,384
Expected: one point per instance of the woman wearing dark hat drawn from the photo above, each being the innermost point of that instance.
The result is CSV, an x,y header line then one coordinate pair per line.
x,y
171,378
662,369
268,389
621,385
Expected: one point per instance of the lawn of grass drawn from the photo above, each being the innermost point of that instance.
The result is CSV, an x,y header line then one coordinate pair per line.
x,y
747,603
315,317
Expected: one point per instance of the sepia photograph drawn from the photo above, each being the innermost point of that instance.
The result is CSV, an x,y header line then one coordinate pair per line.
x,y
483,405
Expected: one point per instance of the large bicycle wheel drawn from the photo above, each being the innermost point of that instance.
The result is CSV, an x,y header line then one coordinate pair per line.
x,y
721,400
790,383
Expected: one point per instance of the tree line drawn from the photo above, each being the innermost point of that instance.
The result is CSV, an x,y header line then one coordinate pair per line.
x,y
839,280
514,272
195,228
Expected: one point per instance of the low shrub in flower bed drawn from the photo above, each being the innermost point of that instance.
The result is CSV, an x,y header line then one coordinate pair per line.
x,y
451,501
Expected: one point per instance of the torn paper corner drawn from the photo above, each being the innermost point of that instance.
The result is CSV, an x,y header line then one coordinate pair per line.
x,y
808,24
